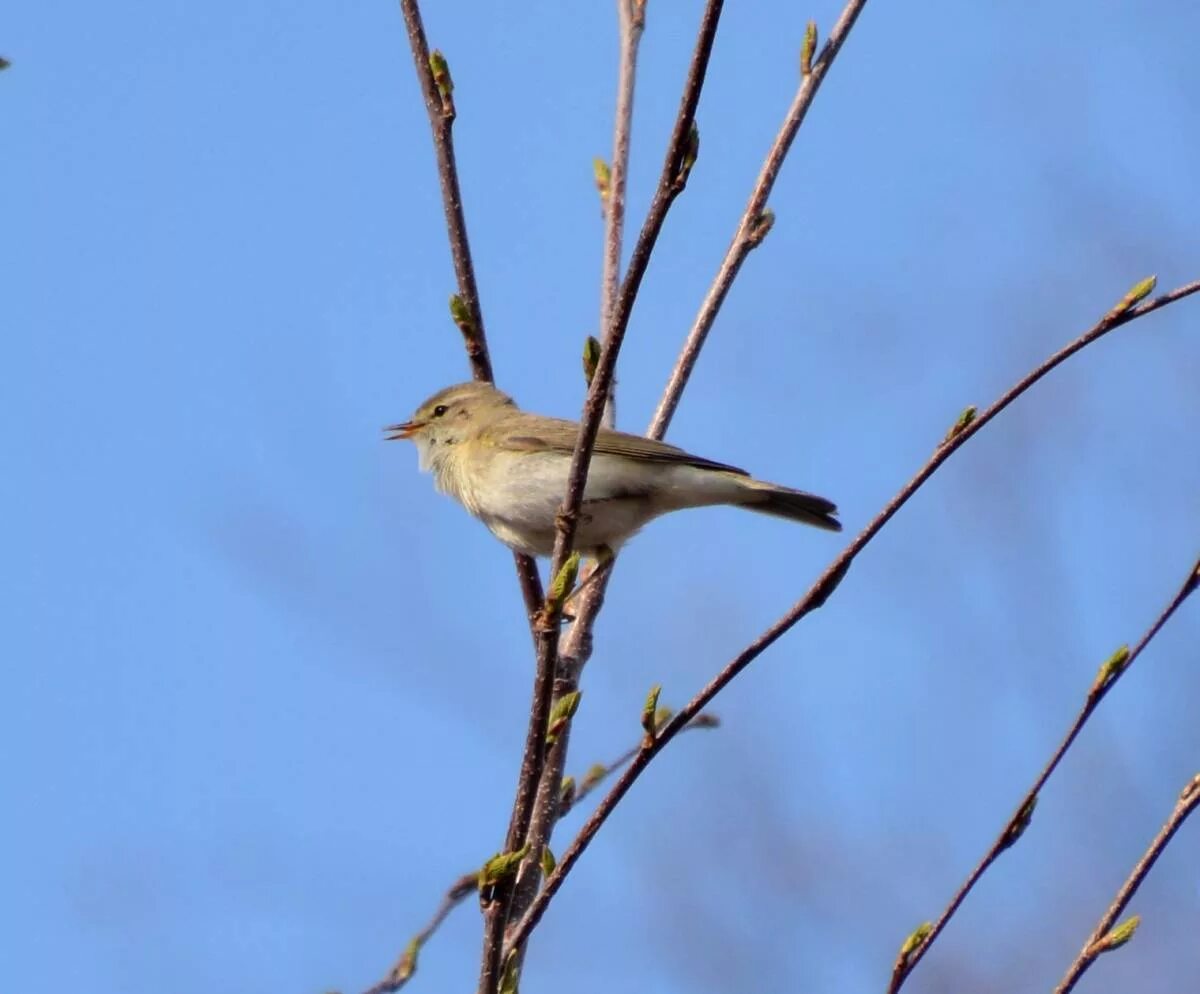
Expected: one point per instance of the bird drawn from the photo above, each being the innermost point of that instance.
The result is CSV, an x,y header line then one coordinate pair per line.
x,y
509,469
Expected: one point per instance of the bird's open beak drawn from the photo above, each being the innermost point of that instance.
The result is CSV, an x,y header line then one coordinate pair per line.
x,y
406,429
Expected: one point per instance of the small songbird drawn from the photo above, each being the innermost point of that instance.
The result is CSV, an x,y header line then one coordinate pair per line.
x,y
509,469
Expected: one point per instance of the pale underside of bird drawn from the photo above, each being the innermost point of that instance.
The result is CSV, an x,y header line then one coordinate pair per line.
x,y
509,469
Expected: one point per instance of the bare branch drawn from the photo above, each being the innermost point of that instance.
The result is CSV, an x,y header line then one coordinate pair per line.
x,y
434,76
533,763
437,87
597,774
756,219
631,16
1108,935
1116,666
406,965
820,591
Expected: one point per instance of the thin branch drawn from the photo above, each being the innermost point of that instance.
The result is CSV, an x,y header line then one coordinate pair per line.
x,y
1106,938
439,103
679,157
1127,310
756,219
597,774
1110,673
406,965
631,17
547,807
533,764
572,656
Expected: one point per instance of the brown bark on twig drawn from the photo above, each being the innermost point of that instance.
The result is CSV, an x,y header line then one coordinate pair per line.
x,y
1103,939
754,222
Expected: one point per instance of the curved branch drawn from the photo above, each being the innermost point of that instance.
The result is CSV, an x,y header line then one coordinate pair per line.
x,y
406,965
1105,938
1127,310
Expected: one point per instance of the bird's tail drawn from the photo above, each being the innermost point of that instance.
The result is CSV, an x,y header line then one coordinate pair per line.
x,y
783,502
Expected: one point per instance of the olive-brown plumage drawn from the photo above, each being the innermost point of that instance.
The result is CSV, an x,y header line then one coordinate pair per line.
x,y
509,469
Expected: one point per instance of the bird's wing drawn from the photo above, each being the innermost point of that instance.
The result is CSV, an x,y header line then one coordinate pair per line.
x,y
554,435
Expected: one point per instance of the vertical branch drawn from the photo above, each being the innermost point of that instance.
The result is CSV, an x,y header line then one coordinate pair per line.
x,y
756,219
631,16
1107,935
438,88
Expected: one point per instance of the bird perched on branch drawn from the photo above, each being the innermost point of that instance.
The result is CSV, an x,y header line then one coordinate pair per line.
x,y
509,469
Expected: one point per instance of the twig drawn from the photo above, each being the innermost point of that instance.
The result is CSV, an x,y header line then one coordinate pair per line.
x,y
440,105
533,765
756,219
1109,674
597,774
1106,938
1127,310
631,17
406,965
671,183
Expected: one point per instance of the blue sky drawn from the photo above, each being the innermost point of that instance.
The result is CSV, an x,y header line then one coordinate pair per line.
x,y
266,688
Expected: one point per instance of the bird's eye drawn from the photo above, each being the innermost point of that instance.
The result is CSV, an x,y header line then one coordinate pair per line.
x,y
439,410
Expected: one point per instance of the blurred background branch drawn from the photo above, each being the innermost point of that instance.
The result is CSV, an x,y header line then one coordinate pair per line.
x,y
1108,935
